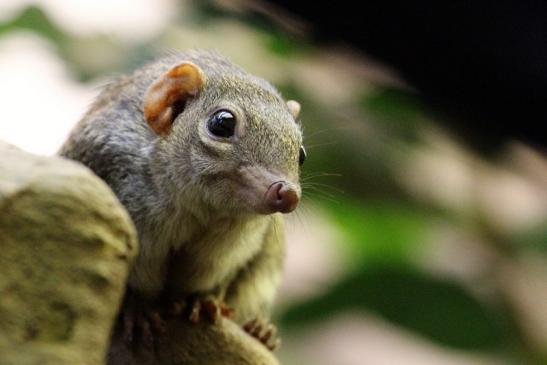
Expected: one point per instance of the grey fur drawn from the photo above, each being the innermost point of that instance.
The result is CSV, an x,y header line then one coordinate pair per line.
x,y
194,196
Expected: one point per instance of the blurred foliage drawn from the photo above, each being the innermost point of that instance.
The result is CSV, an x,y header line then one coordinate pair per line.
x,y
275,40
34,19
380,232
399,112
533,239
437,309
341,157
349,174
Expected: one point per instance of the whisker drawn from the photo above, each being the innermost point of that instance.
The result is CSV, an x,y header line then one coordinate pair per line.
x,y
316,192
298,216
319,174
319,195
322,144
317,185
320,131
317,132
312,198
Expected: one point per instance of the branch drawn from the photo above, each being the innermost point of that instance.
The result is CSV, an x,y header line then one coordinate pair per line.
x,y
186,343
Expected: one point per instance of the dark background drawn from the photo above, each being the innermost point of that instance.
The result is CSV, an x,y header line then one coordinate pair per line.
x,y
484,63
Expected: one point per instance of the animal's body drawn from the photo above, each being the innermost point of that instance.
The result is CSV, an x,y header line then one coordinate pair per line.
x,y
205,157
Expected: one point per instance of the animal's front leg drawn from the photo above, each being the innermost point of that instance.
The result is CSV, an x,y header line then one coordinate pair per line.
x,y
251,293
141,321
142,317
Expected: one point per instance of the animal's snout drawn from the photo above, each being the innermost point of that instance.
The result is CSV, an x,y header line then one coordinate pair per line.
x,y
281,197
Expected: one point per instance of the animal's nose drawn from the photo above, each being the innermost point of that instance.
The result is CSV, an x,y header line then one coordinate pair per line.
x,y
281,197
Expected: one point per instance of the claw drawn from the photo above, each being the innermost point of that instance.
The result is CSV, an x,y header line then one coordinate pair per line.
x,y
275,345
128,327
211,307
195,312
146,332
178,307
140,322
226,311
268,334
248,327
264,332
158,324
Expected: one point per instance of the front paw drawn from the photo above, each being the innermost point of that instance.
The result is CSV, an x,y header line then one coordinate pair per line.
x,y
198,308
140,322
264,332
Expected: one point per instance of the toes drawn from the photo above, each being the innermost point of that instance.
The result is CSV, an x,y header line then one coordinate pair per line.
x,y
178,307
146,333
128,327
257,329
274,345
264,332
249,326
141,325
255,332
226,311
201,306
157,322
210,307
269,338
269,331
195,312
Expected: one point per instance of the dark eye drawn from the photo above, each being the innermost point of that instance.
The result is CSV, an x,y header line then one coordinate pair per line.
x,y
301,156
222,124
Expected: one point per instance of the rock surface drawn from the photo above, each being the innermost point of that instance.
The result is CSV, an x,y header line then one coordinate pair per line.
x,y
65,248
66,245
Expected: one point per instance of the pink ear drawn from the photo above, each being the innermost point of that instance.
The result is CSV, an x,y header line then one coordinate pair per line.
x,y
169,93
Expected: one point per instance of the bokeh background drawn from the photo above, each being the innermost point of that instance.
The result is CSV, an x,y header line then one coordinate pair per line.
x,y
410,247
